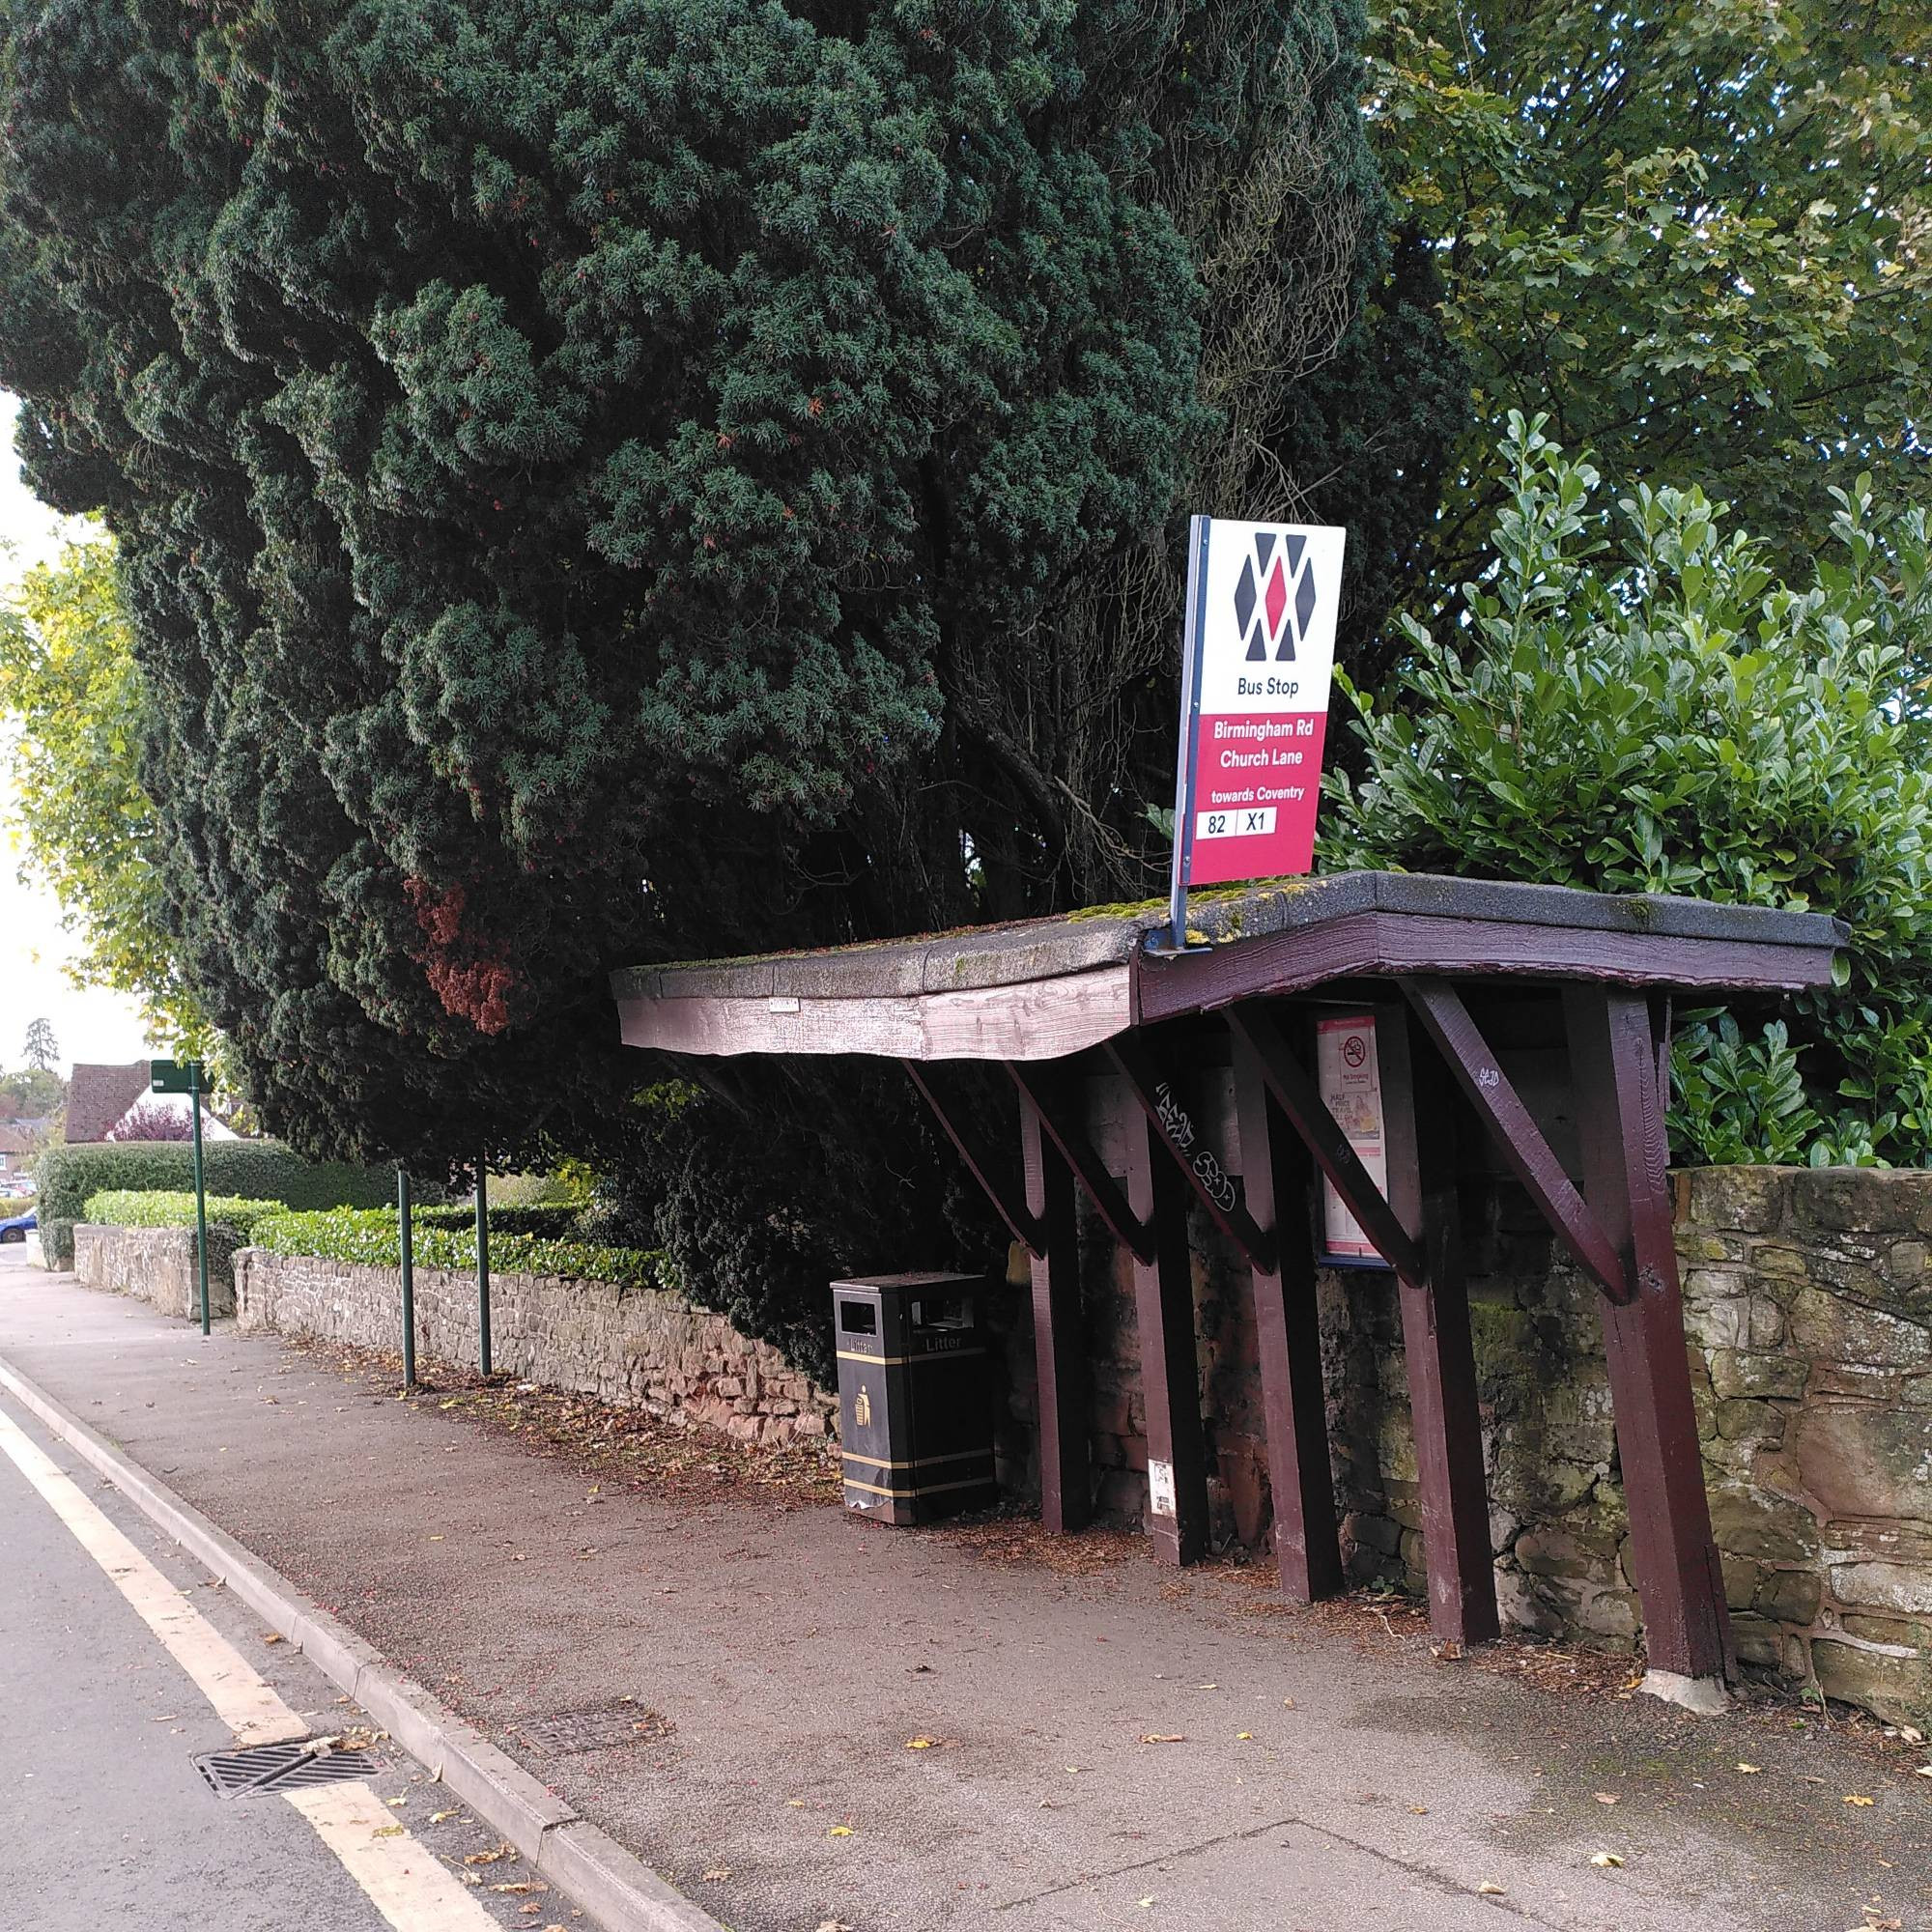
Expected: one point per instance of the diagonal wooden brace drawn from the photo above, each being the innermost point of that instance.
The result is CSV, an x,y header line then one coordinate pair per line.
x,y
1024,1226
1127,1228
1301,1103
1213,1186
1514,1131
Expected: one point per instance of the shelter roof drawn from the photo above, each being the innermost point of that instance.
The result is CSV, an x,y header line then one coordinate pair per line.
x,y
1040,988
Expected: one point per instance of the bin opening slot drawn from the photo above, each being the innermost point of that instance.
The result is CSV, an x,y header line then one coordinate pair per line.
x,y
859,1317
949,1311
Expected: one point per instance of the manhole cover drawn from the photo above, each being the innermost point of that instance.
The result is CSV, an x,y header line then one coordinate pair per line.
x,y
284,1767
595,1729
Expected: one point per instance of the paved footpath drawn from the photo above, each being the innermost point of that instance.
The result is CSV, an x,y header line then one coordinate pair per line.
x,y
1314,1771
119,1665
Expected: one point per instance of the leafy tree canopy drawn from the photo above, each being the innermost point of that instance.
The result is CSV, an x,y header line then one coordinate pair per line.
x,y
1638,703
42,1045
648,478
1696,234
68,678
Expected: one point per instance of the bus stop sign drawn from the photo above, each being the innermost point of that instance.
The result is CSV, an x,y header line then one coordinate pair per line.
x,y
1259,647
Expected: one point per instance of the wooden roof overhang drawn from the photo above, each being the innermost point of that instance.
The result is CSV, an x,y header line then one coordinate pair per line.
x,y
1092,986
1041,990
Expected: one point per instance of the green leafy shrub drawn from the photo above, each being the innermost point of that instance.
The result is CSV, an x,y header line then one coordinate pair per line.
x,y
162,1209
552,1221
1635,705
70,1175
371,1236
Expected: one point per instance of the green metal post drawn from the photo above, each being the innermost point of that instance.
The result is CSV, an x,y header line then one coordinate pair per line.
x,y
200,1191
409,1279
483,1268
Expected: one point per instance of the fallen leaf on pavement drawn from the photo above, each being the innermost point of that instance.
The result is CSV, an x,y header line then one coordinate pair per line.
x,y
393,1803
1853,1798
1163,1737
488,1857
824,1925
921,1744
1750,1767
839,1831
1923,1771
436,1817
271,1637
519,1884
1605,1858
388,1831
1491,1887
1245,1736
717,1874
1605,1797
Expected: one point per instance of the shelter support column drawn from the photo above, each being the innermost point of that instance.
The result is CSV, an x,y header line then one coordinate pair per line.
x,y
1615,1061
1275,1177
1439,1351
1066,1482
1169,1365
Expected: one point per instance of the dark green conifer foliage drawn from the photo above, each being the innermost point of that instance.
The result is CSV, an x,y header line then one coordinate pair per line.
x,y
650,477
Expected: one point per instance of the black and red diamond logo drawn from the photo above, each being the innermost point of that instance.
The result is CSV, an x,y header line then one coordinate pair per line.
x,y
1275,597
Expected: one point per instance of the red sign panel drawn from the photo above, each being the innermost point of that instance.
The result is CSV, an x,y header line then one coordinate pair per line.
x,y
1260,645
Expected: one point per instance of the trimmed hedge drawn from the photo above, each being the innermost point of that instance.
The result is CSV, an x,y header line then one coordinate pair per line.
x,y
370,1237
549,1221
70,1175
126,1209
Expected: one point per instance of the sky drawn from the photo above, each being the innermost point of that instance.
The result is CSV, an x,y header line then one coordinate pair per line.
x,y
90,1024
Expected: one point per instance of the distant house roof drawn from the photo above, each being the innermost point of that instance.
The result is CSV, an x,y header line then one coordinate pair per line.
x,y
99,1096
13,1140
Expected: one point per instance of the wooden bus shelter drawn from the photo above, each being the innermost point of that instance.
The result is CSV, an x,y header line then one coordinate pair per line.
x,y
1458,976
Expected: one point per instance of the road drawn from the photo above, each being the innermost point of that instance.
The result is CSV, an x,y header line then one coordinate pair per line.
x,y
109,1823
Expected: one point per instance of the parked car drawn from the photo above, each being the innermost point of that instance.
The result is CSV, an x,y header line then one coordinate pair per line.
x,y
20,1227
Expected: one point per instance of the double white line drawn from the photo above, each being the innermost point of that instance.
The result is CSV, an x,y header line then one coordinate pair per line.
x,y
401,1875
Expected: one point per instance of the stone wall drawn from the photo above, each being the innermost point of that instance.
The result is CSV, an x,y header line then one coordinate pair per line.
x,y
638,1346
157,1264
1809,1308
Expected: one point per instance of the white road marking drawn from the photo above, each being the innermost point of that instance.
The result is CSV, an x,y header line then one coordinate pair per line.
x,y
400,1875
242,1700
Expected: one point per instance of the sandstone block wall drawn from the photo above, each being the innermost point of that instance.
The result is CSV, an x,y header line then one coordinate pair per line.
x,y
638,1346
157,1264
1809,1316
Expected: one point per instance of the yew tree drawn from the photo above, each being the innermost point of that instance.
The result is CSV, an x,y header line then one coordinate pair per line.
x,y
645,478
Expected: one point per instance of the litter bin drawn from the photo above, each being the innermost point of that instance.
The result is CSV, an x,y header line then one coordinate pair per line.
x,y
916,1412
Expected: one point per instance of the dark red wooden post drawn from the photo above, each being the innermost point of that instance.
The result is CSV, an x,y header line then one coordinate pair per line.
x,y
1275,1176
1419,1125
1169,1365
1059,1364
1613,1057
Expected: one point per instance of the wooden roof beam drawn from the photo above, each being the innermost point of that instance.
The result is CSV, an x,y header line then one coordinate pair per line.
x,y
1024,1226
1514,1129
1213,1186
1038,1087
1301,1102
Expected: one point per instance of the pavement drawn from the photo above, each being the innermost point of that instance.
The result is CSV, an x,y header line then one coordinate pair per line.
x,y
849,1725
108,1822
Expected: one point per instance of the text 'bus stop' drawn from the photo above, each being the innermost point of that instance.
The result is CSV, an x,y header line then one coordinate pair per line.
x,y
1441,986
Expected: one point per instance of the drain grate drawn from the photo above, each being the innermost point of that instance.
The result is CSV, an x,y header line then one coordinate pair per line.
x,y
596,1729
284,1767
